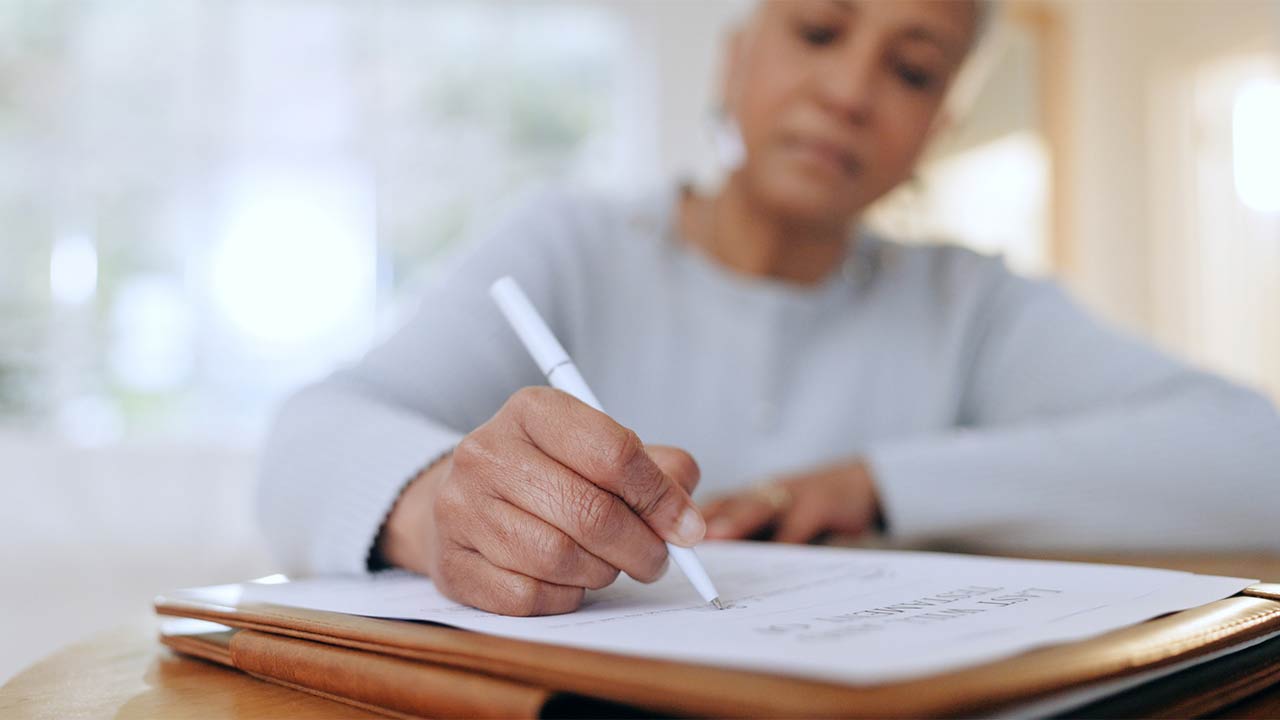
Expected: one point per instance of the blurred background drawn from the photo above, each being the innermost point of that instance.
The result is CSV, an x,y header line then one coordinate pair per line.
x,y
205,203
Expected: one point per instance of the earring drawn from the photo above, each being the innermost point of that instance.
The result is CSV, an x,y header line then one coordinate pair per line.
x,y
730,151
918,197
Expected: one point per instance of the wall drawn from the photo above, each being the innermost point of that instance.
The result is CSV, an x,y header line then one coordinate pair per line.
x,y
1125,194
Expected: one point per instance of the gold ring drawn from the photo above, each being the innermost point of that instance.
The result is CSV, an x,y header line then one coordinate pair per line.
x,y
776,495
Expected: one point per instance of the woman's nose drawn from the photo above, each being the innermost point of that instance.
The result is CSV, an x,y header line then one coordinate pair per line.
x,y
846,84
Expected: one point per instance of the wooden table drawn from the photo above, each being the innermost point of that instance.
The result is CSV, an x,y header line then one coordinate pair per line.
x,y
127,674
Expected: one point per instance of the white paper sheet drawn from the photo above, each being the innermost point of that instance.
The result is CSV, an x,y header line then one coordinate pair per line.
x,y
854,616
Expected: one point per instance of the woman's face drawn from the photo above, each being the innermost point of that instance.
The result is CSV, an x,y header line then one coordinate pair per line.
x,y
836,98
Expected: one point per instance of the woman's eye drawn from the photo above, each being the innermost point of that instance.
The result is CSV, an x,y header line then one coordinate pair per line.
x,y
819,34
915,78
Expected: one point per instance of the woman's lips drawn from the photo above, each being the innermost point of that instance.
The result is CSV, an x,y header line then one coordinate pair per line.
x,y
826,154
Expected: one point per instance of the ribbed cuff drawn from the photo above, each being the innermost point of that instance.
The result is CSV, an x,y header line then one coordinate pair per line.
x,y
965,485
394,453
331,471
374,561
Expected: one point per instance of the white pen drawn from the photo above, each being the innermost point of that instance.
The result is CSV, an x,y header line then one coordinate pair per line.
x,y
560,371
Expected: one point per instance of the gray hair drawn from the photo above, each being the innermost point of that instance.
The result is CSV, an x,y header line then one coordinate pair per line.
x,y
982,53
986,12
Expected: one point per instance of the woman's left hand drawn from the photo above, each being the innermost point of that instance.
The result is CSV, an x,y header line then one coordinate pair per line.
x,y
838,499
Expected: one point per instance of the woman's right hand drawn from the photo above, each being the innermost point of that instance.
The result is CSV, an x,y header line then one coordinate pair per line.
x,y
550,497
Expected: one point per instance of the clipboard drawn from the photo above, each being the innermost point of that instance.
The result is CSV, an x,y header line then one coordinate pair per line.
x,y
414,669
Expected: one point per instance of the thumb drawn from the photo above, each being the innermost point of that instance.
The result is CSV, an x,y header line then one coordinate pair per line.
x,y
676,464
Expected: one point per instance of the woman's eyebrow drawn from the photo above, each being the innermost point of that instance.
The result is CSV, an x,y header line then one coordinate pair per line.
x,y
942,42
946,44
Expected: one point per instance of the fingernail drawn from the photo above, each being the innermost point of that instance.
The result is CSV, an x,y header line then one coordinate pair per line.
x,y
691,527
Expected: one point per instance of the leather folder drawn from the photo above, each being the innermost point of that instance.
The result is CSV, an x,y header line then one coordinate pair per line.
x,y
1209,657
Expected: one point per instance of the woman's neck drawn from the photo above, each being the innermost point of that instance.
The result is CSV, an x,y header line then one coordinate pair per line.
x,y
747,238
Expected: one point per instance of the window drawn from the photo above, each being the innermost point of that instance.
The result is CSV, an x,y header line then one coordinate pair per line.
x,y
1234,257
207,202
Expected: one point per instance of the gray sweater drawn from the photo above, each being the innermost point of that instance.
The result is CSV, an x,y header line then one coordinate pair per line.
x,y
994,412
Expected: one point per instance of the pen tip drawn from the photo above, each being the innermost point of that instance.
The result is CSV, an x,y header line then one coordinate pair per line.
x,y
716,602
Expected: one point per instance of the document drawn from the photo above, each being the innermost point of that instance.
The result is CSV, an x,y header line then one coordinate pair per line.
x,y
846,615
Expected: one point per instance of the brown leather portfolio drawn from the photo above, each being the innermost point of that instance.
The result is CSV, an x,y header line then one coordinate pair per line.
x,y
412,669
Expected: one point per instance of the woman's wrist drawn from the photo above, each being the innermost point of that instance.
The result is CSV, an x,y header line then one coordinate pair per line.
x,y
865,505
868,481
405,537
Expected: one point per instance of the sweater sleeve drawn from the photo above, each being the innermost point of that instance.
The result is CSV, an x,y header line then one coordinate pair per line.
x,y
1073,435
341,450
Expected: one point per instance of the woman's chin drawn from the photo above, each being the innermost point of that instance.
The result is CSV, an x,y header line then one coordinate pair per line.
x,y
808,198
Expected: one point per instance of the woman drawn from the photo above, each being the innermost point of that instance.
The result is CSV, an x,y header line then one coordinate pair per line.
x,y
923,391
